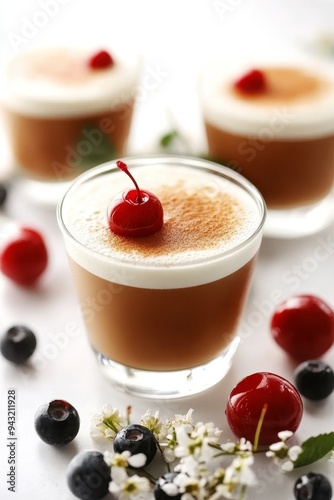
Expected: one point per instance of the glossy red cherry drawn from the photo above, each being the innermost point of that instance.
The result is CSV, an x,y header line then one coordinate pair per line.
x,y
24,256
134,212
303,326
281,400
252,82
101,60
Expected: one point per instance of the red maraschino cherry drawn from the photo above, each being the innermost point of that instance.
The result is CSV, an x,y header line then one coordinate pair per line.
x,y
101,60
134,212
24,257
251,83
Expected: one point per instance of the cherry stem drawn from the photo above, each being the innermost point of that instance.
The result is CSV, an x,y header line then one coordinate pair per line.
x,y
123,166
259,427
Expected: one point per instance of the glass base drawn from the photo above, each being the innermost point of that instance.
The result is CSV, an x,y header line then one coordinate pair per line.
x,y
47,194
171,384
299,222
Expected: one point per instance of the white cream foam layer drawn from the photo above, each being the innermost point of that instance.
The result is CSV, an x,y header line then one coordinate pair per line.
x,y
309,118
43,96
85,206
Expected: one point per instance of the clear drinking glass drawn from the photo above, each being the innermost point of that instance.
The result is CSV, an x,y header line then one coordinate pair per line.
x,y
162,311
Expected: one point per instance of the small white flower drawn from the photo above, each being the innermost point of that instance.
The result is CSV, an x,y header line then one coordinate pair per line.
x,y
185,421
107,423
240,472
222,491
128,488
294,452
208,430
186,444
125,459
190,487
245,445
169,455
152,422
284,435
188,466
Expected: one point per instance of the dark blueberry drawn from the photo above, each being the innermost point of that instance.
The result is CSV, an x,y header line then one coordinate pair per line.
x,y
164,488
136,439
88,475
17,344
312,486
314,380
3,194
57,423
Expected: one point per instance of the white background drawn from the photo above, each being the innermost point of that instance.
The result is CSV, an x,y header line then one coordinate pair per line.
x,y
174,36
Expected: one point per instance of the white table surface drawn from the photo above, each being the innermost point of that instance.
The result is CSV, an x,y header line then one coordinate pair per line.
x,y
63,366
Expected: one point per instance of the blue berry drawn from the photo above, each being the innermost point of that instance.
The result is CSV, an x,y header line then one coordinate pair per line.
x,y
17,344
165,488
314,380
57,423
312,486
136,439
88,475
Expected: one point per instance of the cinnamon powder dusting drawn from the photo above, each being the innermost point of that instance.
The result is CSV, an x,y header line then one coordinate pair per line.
x,y
192,221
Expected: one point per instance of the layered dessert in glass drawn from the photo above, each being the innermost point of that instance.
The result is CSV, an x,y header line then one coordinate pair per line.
x,y
68,109
273,122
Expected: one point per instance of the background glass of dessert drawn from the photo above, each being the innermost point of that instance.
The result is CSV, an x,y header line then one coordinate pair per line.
x,y
273,122
162,310
66,110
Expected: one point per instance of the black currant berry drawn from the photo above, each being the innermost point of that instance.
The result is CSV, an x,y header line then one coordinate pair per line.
x,y
314,380
88,475
57,423
17,344
136,439
312,486
165,488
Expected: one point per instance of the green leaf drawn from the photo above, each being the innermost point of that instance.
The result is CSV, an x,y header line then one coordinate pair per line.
x,y
315,448
93,148
168,138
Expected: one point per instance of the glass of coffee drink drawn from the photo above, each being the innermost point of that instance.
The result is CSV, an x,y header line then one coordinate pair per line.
x,y
162,310
66,110
273,122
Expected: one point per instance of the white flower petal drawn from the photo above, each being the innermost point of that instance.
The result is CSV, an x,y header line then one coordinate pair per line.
x,y
119,475
294,452
138,460
287,466
277,446
284,435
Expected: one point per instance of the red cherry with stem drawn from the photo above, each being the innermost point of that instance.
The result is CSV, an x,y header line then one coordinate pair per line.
x,y
24,256
303,326
134,212
101,60
252,82
281,400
